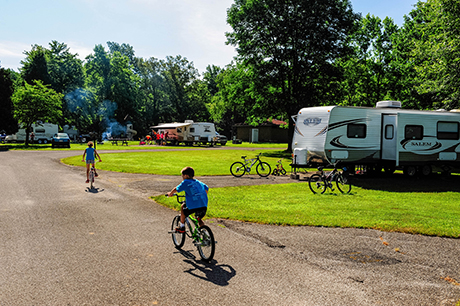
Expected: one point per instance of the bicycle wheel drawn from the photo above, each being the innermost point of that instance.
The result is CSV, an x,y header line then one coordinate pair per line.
x,y
263,169
178,238
237,169
343,183
206,245
91,179
283,171
275,172
317,184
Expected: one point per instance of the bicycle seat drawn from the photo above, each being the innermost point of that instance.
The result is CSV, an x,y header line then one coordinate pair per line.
x,y
243,156
320,168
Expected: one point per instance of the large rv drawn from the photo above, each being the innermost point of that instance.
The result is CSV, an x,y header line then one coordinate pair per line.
x,y
190,133
386,137
43,132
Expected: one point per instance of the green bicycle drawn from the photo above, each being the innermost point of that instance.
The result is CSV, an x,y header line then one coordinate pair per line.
x,y
202,237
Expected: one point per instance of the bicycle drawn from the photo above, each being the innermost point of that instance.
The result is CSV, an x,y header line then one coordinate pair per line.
x,y
238,169
202,237
279,170
318,183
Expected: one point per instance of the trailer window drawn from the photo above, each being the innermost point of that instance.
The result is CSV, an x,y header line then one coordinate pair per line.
x,y
356,130
207,129
192,130
39,130
448,130
413,132
389,131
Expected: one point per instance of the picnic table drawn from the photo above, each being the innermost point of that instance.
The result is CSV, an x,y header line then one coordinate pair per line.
x,y
124,141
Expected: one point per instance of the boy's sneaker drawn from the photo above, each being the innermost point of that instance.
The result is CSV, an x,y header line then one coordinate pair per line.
x,y
96,175
180,229
87,181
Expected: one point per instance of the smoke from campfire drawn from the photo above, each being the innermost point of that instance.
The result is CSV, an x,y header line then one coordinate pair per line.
x,y
82,102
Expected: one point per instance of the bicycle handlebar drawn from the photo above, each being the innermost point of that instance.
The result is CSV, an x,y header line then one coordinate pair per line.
x,y
177,197
257,156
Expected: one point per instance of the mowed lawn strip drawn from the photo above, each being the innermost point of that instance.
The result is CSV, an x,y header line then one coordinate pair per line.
x,y
435,214
204,161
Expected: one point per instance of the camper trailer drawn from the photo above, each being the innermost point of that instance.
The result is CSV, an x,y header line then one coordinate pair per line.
x,y
386,137
189,132
43,132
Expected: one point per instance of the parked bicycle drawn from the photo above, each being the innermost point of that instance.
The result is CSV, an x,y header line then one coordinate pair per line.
x,y
202,237
318,183
279,170
238,169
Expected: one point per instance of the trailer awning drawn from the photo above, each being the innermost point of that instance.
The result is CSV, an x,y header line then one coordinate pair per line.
x,y
170,125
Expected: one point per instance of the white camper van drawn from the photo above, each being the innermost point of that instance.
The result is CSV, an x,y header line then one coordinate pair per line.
x,y
189,132
43,132
385,137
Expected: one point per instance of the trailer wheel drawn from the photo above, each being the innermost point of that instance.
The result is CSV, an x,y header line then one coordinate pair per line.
x,y
426,170
410,171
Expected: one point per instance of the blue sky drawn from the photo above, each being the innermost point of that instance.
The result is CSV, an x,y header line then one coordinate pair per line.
x,y
155,28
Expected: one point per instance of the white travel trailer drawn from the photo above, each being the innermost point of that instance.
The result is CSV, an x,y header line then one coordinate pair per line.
x,y
43,132
386,137
189,132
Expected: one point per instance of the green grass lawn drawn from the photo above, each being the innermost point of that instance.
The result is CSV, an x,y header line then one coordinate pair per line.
x,y
428,207
205,162
293,204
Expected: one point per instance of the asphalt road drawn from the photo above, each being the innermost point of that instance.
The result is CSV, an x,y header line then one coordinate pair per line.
x,y
62,244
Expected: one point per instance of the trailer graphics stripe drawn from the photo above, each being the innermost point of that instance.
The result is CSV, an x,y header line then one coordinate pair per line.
x,y
336,125
336,143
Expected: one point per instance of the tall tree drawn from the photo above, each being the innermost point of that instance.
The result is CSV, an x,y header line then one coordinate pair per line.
x,y
35,65
291,46
369,70
34,103
178,74
153,99
435,49
7,121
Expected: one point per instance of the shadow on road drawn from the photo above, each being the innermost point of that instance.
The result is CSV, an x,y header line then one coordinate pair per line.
x,y
94,190
211,272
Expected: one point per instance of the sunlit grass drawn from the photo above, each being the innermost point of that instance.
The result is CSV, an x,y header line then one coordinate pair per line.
x,y
205,162
293,204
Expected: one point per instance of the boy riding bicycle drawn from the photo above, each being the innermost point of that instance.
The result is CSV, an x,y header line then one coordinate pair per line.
x,y
91,154
196,198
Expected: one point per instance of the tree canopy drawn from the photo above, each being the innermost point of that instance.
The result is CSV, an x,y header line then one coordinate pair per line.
x,y
291,54
35,103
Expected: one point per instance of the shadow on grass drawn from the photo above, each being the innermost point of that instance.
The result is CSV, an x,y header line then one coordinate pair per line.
x,y
278,154
401,183
24,147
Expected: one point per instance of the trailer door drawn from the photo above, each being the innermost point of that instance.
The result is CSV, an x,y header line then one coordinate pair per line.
x,y
389,139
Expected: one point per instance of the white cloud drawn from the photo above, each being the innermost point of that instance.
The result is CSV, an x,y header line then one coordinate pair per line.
x,y
13,49
11,54
81,50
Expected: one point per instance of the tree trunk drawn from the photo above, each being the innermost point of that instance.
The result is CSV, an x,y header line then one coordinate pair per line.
x,y
27,135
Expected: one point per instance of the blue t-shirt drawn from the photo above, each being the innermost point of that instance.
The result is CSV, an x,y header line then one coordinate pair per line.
x,y
90,153
195,193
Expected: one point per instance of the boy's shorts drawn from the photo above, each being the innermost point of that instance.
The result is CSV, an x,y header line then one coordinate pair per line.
x,y
90,161
199,212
